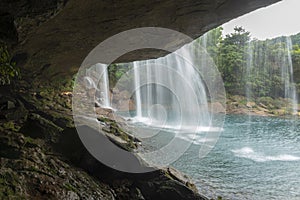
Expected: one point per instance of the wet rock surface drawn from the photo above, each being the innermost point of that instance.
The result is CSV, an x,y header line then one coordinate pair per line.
x,y
263,106
40,152
42,157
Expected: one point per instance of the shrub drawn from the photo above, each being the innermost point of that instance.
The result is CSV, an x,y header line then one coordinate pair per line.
x,y
268,101
8,69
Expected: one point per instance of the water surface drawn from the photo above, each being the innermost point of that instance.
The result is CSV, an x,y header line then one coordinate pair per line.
x,y
255,158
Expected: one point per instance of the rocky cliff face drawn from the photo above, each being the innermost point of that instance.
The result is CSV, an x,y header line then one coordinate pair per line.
x,y
41,155
53,37
18,18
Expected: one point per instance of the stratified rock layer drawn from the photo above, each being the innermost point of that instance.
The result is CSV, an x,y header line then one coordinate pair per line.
x,y
53,37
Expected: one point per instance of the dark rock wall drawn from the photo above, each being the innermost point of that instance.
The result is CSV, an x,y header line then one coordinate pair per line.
x,y
43,158
50,38
23,16
60,33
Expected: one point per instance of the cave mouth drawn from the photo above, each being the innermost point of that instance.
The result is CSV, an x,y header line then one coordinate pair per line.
x,y
260,76
256,149
170,94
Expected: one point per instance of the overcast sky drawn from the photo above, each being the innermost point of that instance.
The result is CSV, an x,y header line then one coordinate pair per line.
x,y
279,19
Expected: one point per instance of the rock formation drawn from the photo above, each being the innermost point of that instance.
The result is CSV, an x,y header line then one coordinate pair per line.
x,y
51,38
40,152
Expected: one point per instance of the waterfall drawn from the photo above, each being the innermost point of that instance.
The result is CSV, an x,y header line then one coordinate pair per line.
x,y
290,88
179,96
249,64
170,93
138,91
269,65
97,78
248,86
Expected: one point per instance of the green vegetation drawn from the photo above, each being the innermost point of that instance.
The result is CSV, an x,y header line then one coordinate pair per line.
x,y
249,67
231,59
245,63
9,185
8,69
70,187
116,71
10,125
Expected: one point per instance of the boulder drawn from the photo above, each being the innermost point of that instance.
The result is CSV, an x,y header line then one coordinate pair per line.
x,y
103,111
250,104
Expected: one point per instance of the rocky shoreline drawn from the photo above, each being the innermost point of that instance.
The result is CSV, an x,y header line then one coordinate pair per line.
x,y
264,106
235,104
42,156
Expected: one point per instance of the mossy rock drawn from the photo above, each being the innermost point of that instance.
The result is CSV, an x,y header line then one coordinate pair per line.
x,y
11,125
265,100
39,127
10,186
10,144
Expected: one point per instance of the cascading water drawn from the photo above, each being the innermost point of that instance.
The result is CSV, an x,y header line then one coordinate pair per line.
x,y
97,78
249,64
203,43
280,71
287,75
290,88
138,91
167,97
170,93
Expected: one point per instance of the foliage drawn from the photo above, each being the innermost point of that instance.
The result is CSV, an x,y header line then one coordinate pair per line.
x,y
251,68
232,61
116,71
8,69
211,41
262,67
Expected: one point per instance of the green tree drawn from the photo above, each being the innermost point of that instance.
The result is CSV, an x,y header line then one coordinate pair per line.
x,y
116,71
211,42
232,60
